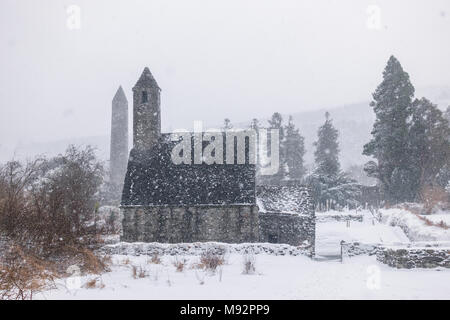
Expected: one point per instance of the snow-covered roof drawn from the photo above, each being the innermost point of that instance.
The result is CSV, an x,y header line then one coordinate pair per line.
x,y
153,179
295,199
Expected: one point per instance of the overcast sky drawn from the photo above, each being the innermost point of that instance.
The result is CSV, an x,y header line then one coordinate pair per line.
x,y
213,59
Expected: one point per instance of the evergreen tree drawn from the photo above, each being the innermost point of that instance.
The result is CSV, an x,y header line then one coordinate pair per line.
x,y
254,124
392,101
329,184
327,148
276,122
429,143
227,124
294,146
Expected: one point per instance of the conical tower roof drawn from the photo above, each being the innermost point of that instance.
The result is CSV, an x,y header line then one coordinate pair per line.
x,y
120,96
146,80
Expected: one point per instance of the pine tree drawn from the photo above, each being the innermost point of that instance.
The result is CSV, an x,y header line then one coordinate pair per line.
x,y
254,124
276,122
227,124
392,102
429,143
328,183
327,148
294,146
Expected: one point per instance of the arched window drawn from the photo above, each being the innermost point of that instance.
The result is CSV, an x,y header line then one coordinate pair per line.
x,y
144,98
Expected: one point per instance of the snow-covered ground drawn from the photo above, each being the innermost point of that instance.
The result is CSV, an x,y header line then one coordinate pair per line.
x,y
369,231
415,228
438,217
276,277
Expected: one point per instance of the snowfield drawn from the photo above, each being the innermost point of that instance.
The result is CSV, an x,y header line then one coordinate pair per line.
x,y
415,228
276,277
281,271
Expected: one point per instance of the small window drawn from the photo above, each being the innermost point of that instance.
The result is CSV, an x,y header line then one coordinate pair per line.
x,y
273,238
144,97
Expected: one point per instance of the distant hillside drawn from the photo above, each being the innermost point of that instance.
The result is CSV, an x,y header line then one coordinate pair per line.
x,y
53,148
354,122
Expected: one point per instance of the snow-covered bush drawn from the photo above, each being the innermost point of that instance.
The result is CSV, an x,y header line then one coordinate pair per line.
x,y
338,190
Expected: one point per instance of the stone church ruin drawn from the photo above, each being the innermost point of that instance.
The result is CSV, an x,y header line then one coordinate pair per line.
x,y
198,201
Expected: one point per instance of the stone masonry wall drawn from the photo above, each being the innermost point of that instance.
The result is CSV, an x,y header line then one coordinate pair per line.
x,y
174,224
415,257
292,229
402,256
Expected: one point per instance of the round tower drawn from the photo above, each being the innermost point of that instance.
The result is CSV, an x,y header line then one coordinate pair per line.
x,y
146,112
119,139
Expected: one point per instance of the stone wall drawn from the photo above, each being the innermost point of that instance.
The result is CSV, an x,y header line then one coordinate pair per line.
x,y
174,224
415,257
351,249
292,229
327,217
198,248
407,256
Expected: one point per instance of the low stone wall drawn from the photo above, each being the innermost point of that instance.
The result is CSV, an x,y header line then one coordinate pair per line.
x,y
414,257
174,224
292,229
197,248
351,249
325,217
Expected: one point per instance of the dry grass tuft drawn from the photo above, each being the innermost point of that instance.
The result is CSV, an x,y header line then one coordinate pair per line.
x,y
249,264
179,264
432,196
138,272
154,259
210,261
93,284
22,275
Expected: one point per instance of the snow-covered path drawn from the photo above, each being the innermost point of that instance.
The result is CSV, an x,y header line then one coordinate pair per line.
x,y
330,234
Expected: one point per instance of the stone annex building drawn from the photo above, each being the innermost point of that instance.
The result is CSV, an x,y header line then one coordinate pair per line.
x,y
167,202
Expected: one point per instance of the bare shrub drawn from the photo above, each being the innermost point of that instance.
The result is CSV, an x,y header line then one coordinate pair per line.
x,y
94,283
91,262
47,205
111,223
443,225
210,261
414,209
432,196
249,264
138,272
155,259
23,275
47,213
179,264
